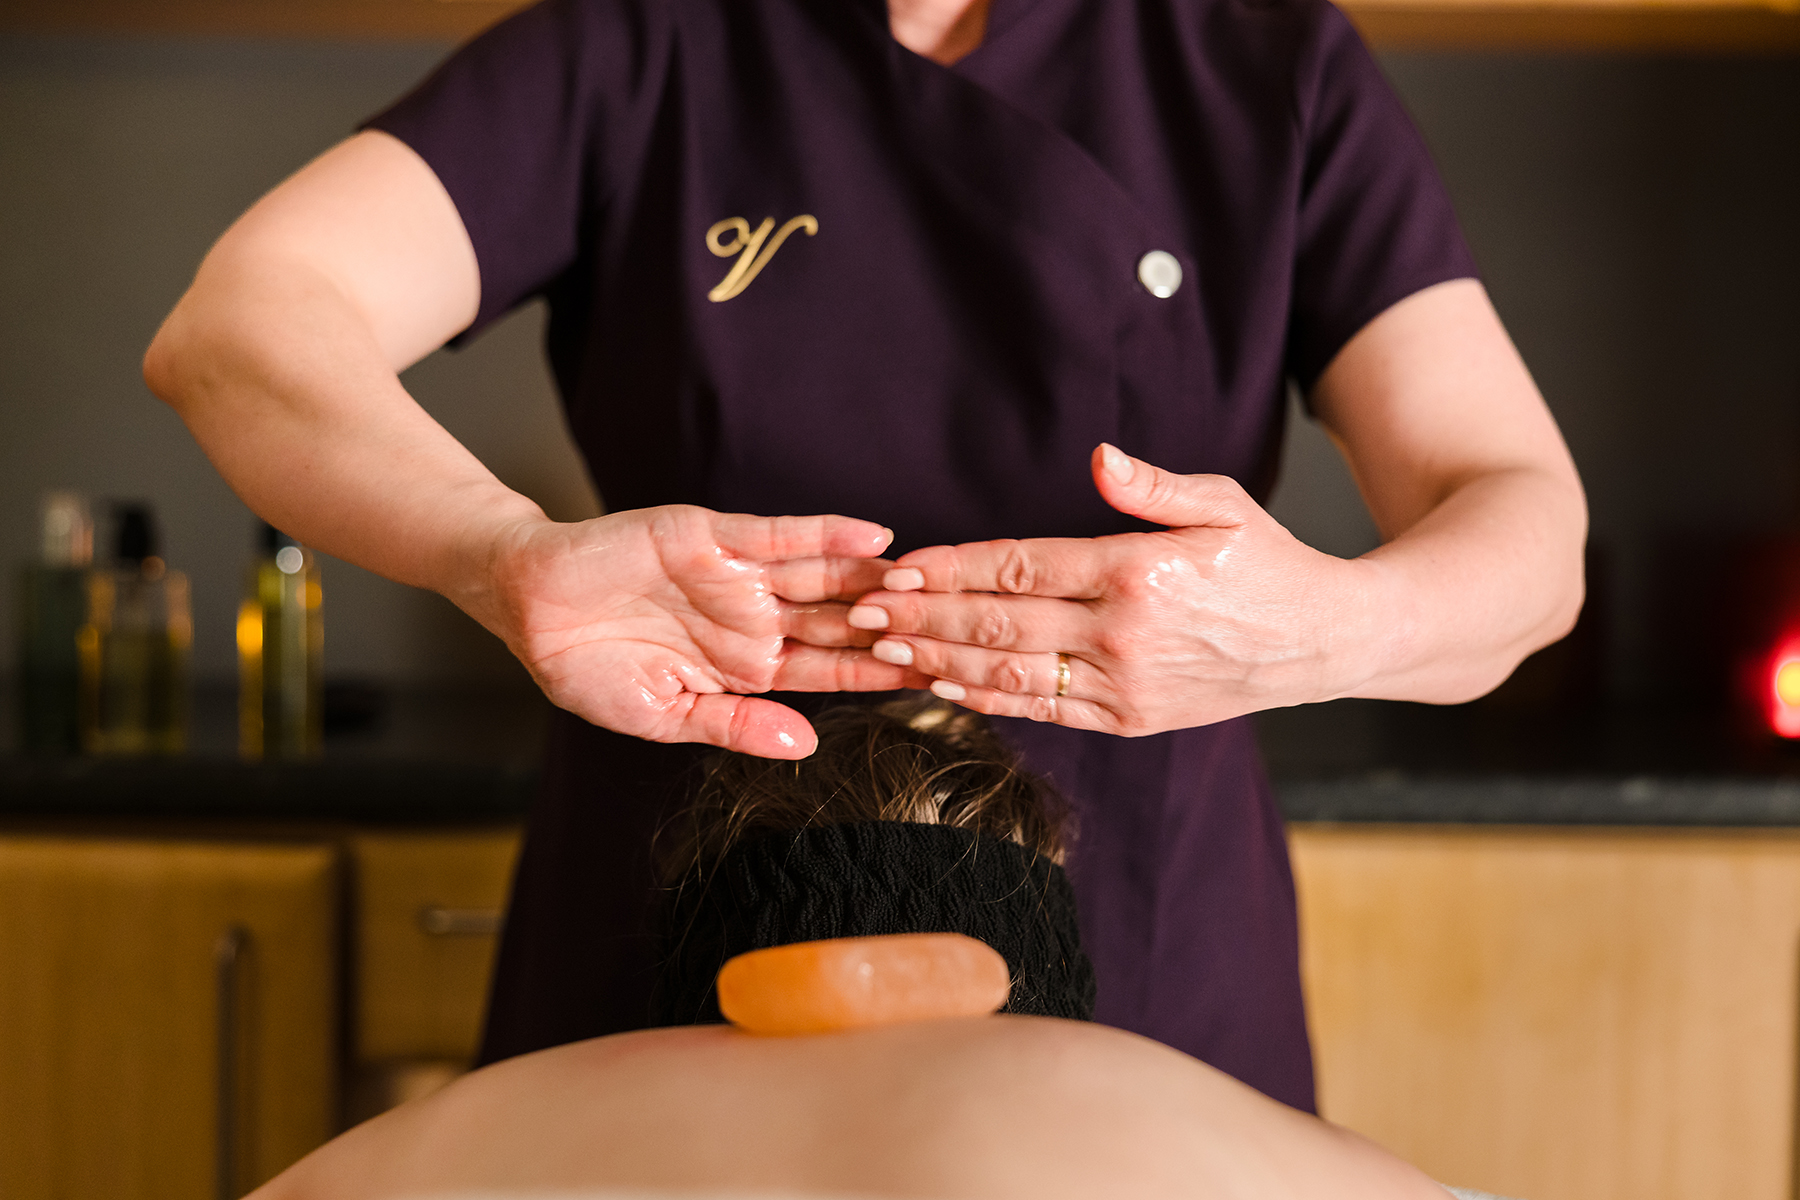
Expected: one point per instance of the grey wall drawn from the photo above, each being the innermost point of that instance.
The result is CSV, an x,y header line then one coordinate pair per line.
x,y
1635,219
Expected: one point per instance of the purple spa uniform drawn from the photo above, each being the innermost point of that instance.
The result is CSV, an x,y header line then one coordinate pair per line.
x,y
962,317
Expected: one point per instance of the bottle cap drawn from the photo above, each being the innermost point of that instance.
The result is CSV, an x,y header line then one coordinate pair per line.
x,y
134,539
68,530
271,540
289,554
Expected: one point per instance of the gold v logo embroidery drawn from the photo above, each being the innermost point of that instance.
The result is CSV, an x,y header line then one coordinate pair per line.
x,y
753,254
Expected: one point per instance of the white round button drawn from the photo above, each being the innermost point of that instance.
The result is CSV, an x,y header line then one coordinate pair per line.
x,y
1160,273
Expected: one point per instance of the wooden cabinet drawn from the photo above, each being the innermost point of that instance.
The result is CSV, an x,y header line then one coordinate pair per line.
x,y
170,1009
1560,1014
428,908
168,1015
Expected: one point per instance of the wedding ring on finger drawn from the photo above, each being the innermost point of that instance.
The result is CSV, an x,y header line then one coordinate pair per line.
x,y
1062,675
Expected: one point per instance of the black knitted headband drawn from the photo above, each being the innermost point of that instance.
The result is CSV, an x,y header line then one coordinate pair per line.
x,y
878,877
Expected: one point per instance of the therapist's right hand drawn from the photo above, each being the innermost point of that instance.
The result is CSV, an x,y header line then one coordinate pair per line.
x,y
663,623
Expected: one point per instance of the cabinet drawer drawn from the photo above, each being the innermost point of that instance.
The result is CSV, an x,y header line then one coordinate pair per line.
x,y
427,917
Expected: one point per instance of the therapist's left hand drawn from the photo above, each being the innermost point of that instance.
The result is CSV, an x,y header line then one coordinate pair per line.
x,y
1222,614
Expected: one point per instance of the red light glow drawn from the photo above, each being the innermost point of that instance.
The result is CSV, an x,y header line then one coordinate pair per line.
x,y
1781,688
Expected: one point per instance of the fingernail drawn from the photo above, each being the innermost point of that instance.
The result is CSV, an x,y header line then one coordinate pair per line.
x,y
890,651
1114,463
903,579
867,616
943,689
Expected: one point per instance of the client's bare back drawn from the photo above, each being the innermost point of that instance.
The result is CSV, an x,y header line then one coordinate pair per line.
x,y
995,1107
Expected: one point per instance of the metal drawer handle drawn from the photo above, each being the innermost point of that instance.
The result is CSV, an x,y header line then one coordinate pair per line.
x,y
439,921
229,952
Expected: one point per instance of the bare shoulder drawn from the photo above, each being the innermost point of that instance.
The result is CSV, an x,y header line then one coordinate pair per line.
x,y
992,1107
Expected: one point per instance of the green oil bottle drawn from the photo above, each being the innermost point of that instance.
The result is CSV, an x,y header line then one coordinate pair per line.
x,y
280,640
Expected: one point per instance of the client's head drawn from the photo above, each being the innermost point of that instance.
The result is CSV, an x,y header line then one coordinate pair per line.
x,y
910,818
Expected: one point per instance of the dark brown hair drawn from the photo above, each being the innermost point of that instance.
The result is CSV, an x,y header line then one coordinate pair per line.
x,y
917,759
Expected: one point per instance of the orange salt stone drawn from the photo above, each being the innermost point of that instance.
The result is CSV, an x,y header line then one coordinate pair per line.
x,y
853,983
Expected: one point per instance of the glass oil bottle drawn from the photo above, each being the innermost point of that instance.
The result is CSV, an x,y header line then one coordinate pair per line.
x,y
52,611
280,639
134,646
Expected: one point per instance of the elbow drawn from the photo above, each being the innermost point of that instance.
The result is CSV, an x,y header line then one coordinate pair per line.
x,y
210,333
192,355
161,366
1560,608
1562,612
169,362
1568,593
1533,598
1561,574
1562,622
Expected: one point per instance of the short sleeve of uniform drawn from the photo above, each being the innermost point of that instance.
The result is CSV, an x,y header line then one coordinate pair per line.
x,y
515,124
1375,222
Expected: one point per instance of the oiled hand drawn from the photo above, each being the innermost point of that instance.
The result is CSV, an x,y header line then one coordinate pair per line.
x,y
665,623
1222,614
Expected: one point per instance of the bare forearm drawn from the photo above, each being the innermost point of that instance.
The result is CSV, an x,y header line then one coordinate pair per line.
x,y
283,358
285,387
1473,489
1490,575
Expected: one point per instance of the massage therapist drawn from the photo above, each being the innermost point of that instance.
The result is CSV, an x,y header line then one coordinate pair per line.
x,y
1017,287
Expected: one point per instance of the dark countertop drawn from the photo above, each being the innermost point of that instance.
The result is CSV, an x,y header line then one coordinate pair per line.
x,y
433,758
1368,761
457,758
1352,738
356,790
1393,797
